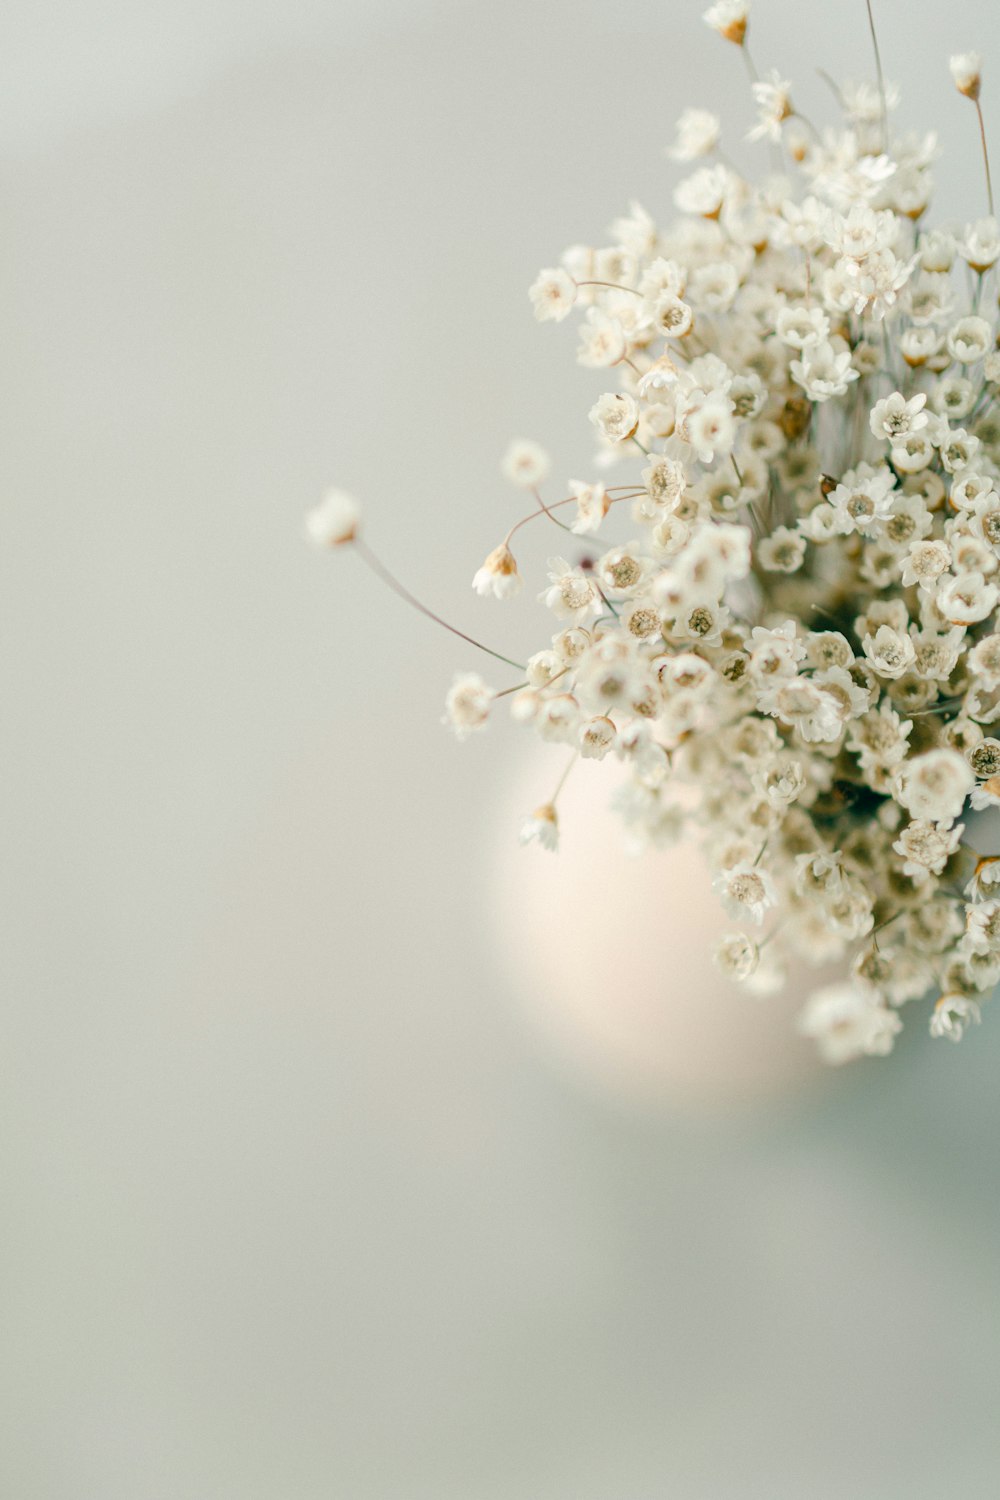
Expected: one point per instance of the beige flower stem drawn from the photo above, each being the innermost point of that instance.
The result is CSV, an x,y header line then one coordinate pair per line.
x,y
631,494
554,519
381,571
986,155
615,286
881,78
562,780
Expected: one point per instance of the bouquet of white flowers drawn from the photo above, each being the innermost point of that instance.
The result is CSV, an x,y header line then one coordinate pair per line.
x,y
793,644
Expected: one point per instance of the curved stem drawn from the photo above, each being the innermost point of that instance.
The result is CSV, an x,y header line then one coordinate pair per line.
x,y
881,79
381,571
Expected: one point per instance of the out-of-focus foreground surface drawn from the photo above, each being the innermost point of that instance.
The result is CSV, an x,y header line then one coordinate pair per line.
x,y
300,1203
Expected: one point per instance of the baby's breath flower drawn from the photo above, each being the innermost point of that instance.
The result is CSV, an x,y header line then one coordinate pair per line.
x,y
552,295
747,891
498,575
542,828
966,72
774,105
525,463
334,520
467,705
737,955
729,18
794,613
952,1014
697,135
848,1021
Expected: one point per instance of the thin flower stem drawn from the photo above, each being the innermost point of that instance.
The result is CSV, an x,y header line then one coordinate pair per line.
x,y
381,571
833,84
881,78
554,519
631,494
986,155
607,601
751,69
615,286
562,779
798,115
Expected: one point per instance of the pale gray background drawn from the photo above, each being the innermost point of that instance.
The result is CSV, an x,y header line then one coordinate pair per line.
x,y
296,1204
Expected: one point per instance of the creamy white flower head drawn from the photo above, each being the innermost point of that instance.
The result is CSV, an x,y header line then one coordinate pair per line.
x,y
498,575
334,520
592,502
552,294
597,737
966,73
698,133
863,501
747,891
705,192
602,340
823,372
952,1015
737,955
894,416
467,705
890,652
983,926
802,327
525,463
571,594
615,415
541,828
729,18
847,1021
969,340
709,427
863,101
925,848
772,96
933,786
967,599
980,245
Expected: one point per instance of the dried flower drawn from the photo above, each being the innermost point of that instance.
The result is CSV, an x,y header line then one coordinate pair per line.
x,y
794,614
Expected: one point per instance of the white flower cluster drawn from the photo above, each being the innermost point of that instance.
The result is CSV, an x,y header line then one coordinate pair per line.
x,y
783,622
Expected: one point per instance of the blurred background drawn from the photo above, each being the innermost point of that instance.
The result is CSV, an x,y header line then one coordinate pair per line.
x,y
326,1175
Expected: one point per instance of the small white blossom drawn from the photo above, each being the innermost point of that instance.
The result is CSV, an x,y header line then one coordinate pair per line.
x,y
952,1015
933,786
746,890
847,1021
541,828
615,415
571,595
822,372
467,705
334,520
966,73
498,575
729,19
894,417
737,955
552,295
525,463
697,135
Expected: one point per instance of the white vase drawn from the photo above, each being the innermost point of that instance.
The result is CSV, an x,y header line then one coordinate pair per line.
x,y
610,956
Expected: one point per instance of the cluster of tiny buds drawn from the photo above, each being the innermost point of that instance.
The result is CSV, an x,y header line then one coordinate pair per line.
x,y
781,619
